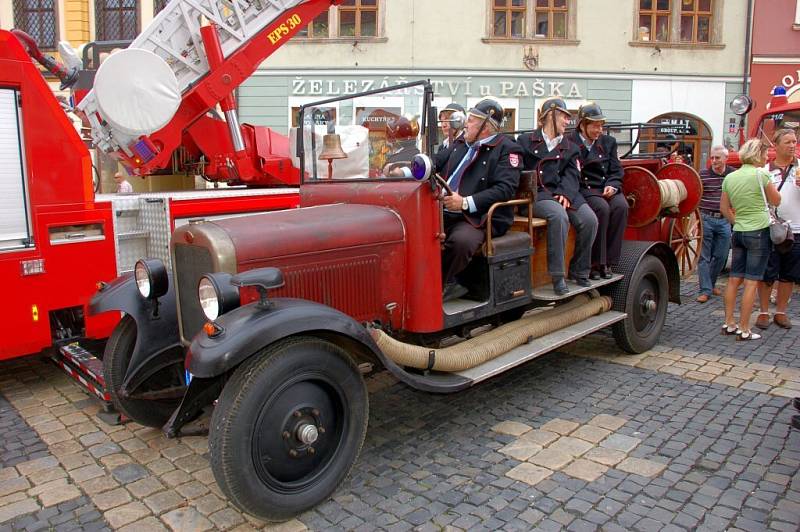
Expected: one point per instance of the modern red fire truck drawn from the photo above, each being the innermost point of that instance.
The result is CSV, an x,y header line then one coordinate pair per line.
x,y
58,239
779,114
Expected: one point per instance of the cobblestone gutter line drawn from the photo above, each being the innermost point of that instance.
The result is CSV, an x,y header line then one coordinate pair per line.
x,y
35,493
753,376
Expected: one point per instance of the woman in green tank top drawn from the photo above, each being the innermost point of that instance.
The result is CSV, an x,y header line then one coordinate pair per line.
x,y
742,203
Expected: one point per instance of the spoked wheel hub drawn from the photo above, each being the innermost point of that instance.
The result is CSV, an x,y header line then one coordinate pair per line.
x,y
299,430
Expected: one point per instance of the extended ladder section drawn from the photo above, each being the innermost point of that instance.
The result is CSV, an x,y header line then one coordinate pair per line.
x,y
175,37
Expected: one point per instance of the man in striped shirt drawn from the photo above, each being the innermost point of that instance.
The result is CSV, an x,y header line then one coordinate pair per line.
x,y
716,229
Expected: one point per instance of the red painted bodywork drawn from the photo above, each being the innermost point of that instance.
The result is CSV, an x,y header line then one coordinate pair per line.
x,y
418,209
59,186
197,208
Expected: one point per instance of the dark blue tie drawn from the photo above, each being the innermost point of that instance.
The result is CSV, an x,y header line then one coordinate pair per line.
x,y
455,179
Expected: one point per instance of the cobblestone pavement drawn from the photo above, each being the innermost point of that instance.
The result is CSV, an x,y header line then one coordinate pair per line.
x,y
692,435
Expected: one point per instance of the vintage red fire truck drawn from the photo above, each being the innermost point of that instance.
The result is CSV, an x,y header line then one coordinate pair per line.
x,y
273,319
58,239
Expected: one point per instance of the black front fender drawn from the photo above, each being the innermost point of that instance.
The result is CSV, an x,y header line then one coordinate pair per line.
x,y
248,329
156,331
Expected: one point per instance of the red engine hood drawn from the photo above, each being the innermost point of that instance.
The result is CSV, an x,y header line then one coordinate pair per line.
x,y
310,230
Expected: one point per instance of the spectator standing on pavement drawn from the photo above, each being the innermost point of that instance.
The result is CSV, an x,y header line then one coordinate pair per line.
x,y
742,204
716,229
123,186
783,265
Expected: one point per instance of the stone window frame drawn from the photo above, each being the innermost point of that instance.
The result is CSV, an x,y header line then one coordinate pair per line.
x,y
675,29
333,28
530,19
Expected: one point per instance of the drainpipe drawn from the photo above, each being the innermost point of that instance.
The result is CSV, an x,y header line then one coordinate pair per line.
x,y
747,46
746,69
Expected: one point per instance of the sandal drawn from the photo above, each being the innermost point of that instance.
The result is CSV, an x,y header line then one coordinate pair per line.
x,y
730,329
748,335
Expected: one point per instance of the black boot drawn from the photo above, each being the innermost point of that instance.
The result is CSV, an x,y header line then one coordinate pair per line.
x,y
560,286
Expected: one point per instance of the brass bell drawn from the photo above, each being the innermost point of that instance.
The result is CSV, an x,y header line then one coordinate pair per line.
x,y
332,148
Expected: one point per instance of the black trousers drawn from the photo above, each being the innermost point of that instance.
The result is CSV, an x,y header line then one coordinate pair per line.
x,y
612,217
461,242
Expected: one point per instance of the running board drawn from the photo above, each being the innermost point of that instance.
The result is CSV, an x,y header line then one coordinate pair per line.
x,y
85,369
540,346
546,293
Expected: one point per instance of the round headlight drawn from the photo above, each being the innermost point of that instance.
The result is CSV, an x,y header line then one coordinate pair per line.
x,y
209,300
151,278
741,105
142,277
217,295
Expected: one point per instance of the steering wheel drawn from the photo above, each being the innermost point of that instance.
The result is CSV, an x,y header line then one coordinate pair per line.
x,y
442,183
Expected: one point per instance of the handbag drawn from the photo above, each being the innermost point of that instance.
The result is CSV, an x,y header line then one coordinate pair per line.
x,y
780,232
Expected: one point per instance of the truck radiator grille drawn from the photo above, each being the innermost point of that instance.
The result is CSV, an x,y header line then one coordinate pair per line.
x,y
191,263
352,287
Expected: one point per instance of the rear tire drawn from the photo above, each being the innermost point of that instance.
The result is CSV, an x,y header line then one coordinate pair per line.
x,y
116,357
259,456
645,303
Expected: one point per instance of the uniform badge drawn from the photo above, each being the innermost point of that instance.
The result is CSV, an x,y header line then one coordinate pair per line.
x,y
578,164
513,158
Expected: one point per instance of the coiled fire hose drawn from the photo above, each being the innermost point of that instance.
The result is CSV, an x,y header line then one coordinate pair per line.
x,y
673,192
494,343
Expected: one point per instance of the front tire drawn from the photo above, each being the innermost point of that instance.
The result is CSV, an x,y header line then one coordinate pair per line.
x,y
116,357
288,427
644,299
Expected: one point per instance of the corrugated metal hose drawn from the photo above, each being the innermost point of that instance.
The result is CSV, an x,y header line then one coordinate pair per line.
x,y
494,343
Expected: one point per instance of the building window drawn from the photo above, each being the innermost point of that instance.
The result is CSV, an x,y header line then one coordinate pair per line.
x,y
352,19
654,18
509,18
678,22
116,20
696,21
531,20
37,18
319,27
158,5
551,19
358,18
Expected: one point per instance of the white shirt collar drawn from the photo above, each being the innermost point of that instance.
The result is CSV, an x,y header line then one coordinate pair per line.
x,y
551,143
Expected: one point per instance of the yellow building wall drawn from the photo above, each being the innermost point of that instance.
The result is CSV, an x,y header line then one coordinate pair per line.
x,y
76,21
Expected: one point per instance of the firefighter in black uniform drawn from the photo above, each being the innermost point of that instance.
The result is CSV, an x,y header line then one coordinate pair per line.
x,y
401,138
554,158
601,186
482,168
451,122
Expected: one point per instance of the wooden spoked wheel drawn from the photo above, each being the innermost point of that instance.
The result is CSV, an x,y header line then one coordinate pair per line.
x,y
685,237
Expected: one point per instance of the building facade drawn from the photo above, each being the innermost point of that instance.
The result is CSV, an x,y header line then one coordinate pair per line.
x,y
673,61
776,50
677,62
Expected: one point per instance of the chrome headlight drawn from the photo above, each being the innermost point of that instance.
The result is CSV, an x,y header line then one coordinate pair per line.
x,y
151,278
217,295
741,105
